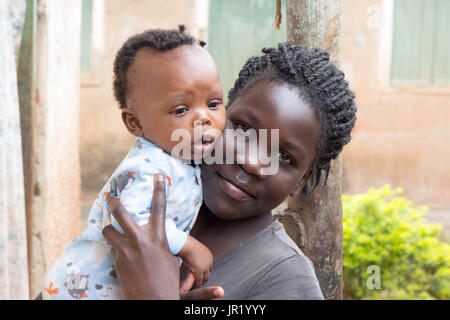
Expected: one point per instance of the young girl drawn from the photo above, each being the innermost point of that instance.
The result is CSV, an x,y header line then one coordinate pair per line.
x,y
289,88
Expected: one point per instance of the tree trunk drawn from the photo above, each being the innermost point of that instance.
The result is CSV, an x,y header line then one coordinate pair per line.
x,y
315,222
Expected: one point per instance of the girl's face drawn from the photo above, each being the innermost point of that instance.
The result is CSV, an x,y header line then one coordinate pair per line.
x,y
236,191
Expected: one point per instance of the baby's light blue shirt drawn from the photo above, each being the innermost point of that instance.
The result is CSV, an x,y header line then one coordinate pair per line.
x,y
85,269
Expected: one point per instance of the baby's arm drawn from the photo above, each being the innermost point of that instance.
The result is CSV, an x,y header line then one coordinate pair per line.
x,y
197,257
134,188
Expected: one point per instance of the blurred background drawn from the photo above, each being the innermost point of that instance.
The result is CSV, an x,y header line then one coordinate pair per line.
x,y
400,73
395,54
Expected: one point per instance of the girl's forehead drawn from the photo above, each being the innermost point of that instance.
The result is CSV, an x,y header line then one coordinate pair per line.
x,y
274,102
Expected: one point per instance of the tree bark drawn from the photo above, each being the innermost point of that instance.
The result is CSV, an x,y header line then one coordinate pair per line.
x,y
315,221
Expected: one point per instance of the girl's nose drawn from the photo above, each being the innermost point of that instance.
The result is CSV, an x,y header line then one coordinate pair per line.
x,y
251,164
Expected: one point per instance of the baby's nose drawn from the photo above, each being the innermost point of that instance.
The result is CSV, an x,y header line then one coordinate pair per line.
x,y
202,118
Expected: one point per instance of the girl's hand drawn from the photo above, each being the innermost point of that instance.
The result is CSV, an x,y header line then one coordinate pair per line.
x,y
144,264
207,293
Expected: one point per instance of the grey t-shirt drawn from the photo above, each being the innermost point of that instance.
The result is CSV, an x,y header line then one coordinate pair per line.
x,y
268,266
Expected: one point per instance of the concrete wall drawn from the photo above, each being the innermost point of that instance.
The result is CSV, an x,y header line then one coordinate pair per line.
x,y
51,77
104,140
402,133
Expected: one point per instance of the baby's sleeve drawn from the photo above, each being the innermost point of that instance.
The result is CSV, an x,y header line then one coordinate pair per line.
x,y
176,239
134,188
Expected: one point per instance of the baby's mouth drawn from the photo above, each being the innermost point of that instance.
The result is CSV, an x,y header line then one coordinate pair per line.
x,y
203,144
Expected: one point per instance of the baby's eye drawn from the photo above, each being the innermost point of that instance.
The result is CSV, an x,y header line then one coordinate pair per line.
x,y
285,157
179,111
214,105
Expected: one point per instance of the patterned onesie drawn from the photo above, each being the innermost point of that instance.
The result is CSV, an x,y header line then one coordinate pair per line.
x,y
85,270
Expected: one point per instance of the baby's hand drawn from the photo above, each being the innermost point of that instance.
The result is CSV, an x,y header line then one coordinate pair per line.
x,y
197,257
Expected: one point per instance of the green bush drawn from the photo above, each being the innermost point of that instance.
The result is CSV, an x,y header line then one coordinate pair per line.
x,y
385,229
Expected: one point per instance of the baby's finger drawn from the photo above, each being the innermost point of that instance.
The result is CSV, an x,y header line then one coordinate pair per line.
x,y
158,214
199,280
205,277
126,222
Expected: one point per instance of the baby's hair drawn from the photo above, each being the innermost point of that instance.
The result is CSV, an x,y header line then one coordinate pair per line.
x,y
157,39
319,82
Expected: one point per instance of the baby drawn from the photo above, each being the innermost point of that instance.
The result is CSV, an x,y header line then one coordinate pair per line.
x,y
164,81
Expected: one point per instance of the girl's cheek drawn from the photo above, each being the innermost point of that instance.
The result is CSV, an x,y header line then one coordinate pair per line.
x,y
222,119
283,187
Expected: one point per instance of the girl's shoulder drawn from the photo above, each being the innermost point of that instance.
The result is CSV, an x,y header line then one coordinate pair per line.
x,y
267,266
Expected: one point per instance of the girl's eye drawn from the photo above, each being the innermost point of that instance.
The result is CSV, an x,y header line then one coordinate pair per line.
x,y
214,105
285,157
242,126
179,111
241,129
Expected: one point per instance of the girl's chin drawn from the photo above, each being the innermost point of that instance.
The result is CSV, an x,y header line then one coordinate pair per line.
x,y
218,210
227,210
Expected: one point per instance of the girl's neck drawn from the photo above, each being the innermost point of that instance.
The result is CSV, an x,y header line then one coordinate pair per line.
x,y
221,235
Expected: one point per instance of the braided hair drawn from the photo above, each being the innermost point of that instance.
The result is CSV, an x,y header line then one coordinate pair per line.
x,y
157,39
320,83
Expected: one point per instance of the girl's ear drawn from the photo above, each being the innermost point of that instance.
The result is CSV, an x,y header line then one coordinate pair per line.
x,y
132,122
299,187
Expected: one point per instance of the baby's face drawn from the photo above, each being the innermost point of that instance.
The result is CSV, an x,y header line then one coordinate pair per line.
x,y
176,89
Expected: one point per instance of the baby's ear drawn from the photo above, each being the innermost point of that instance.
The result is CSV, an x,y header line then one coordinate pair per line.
x,y
132,122
299,187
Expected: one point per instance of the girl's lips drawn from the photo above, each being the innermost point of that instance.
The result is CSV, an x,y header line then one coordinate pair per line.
x,y
232,190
